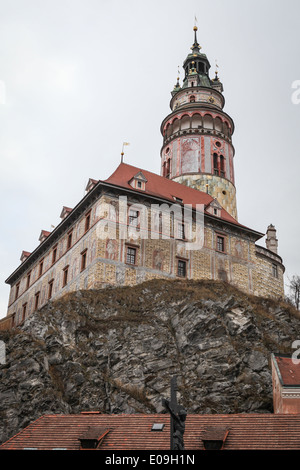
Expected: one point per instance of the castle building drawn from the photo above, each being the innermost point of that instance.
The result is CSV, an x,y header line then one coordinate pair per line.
x,y
137,225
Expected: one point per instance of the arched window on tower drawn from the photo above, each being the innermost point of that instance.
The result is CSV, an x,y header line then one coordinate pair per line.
x,y
222,166
219,165
192,99
216,166
166,168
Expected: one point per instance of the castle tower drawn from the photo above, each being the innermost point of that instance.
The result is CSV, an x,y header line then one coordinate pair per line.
x,y
197,135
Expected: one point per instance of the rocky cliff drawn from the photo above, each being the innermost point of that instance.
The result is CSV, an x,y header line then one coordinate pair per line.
x,y
115,350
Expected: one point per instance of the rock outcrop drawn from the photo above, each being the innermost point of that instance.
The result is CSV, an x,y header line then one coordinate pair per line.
x,y
115,350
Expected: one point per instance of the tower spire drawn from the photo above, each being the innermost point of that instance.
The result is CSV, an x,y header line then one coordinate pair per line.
x,y
195,47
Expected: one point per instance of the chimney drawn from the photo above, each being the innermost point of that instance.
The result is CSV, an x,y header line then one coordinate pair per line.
x,y
271,240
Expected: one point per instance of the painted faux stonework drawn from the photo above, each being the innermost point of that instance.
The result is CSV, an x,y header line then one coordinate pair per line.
x,y
114,237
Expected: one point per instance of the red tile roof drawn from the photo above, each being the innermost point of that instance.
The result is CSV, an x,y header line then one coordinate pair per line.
x,y
289,371
133,432
162,187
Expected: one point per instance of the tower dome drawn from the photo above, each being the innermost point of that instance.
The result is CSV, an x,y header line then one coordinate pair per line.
x,y
197,135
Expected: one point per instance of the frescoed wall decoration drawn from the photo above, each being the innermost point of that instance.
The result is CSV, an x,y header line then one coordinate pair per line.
x,y
190,155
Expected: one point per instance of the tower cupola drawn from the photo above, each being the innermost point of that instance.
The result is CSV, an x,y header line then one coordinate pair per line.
x,y
196,67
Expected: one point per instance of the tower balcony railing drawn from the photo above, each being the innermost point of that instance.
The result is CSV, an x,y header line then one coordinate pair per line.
x,y
196,130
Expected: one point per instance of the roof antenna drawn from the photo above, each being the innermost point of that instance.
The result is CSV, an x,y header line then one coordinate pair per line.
x,y
122,153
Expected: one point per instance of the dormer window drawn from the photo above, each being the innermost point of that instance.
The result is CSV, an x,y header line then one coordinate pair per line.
x,y
214,437
214,208
92,438
138,181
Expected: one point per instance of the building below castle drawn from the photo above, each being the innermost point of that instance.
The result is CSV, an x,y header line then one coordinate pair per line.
x,y
137,225
94,430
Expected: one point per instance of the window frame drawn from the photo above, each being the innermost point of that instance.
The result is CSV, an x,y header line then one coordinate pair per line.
x,y
69,239
181,231
54,254
41,266
17,291
36,300
132,218
184,264
24,311
87,222
83,263
28,278
128,260
65,275
219,236
275,270
50,288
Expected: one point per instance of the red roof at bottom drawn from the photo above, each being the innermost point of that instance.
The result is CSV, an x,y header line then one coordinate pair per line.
x,y
133,432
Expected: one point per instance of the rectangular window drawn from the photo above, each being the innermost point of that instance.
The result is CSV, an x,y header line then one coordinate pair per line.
x,y
181,268
17,290
54,254
24,309
274,270
41,264
69,239
65,276
87,221
83,259
220,243
131,255
50,288
133,218
28,280
36,301
181,231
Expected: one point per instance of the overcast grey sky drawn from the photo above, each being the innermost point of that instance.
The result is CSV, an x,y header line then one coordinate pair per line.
x,y
79,77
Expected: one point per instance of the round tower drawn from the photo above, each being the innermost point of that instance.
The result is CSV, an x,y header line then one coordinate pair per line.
x,y
197,135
